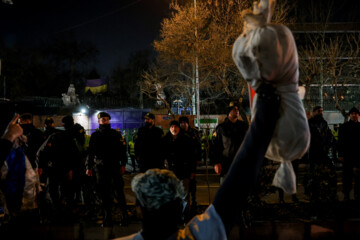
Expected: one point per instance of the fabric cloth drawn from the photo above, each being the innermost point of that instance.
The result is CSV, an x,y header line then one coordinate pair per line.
x,y
267,52
206,226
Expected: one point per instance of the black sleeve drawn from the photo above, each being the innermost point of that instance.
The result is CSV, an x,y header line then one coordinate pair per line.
x,y
241,179
89,163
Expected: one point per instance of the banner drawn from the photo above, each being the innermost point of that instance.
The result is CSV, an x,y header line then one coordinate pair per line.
x,y
96,85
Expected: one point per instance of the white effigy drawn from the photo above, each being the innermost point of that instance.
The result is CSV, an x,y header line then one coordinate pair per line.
x,y
267,52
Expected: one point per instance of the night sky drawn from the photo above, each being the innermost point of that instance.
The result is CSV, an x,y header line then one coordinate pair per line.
x,y
116,27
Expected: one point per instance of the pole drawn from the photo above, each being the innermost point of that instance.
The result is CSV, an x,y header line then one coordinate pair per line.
x,y
197,84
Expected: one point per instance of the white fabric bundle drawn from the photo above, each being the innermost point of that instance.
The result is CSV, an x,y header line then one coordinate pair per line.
x,y
266,51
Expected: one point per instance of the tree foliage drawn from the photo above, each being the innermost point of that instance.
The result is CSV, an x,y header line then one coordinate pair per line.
x,y
207,33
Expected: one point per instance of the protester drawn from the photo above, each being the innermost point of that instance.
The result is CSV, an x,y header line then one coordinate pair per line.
x,y
349,143
147,151
34,138
19,183
179,156
194,137
227,139
50,127
11,133
321,179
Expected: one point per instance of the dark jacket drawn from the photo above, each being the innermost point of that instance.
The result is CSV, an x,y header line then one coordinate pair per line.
x,y
349,142
226,141
180,154
60,153
321,140
193,134
107,148
147,147
49,131
35,139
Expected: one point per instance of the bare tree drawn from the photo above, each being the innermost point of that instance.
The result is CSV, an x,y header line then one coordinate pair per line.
x,y
328,58
209,35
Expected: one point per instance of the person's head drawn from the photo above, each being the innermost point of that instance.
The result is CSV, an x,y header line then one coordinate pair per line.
x,y
318,111
103,118
159,193
25,118
79,133
336,127
149,120
175,128
68,121
184,122
49,122
354,114
233,111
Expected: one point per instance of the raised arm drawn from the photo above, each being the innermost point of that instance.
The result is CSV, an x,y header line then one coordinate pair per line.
x,y
241,179
12,132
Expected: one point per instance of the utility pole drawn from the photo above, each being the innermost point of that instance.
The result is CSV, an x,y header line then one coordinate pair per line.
x,y
197,84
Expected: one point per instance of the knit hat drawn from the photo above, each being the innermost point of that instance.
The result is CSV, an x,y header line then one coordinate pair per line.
x,y
149,116
354,110
184,119
49,120
231,106
68,120
103,114
174,122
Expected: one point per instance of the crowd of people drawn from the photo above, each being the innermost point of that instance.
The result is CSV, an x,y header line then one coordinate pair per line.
x,y
45,175
63,161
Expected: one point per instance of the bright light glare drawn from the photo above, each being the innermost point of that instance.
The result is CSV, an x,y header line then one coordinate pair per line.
x,y
83,110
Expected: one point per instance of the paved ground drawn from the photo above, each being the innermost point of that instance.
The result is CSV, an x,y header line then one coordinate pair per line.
x,y
269,219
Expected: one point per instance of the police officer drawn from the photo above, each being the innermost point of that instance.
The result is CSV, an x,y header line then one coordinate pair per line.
x,y
50,127
107,156
227,139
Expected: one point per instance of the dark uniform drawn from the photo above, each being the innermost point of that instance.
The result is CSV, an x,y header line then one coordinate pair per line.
x,y
60,161
107,155
226,141
50,129
147,147
349,144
